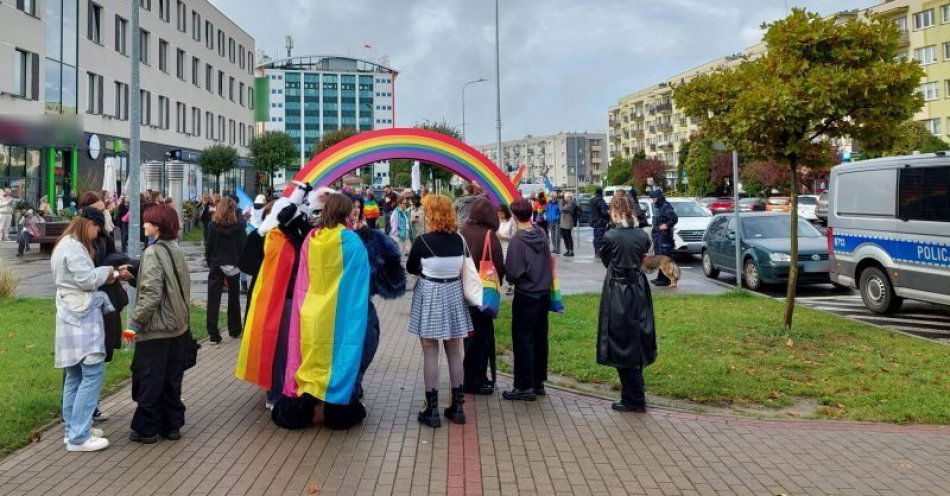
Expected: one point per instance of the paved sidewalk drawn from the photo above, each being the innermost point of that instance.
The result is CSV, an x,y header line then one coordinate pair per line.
x,y
562,444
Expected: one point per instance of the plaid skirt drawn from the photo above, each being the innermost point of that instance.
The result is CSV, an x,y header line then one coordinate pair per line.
x,y
439,311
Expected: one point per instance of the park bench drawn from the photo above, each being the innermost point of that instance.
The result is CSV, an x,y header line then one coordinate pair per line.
x,y
50,231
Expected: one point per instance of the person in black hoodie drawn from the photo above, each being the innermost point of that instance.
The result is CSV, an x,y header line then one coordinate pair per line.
x,y
599,219
528,268
225,240
663,224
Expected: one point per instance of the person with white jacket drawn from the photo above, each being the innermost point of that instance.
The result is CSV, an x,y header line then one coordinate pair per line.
x,y
6,213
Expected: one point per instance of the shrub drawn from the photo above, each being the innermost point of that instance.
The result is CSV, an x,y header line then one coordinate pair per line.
x,y
9,282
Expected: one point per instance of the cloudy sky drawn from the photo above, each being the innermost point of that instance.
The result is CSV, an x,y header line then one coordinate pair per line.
x,y
563,62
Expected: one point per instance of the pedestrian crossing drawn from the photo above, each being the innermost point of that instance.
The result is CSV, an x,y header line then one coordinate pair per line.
x,y
927,321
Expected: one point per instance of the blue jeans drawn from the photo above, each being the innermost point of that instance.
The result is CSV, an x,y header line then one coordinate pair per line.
x,y
80,397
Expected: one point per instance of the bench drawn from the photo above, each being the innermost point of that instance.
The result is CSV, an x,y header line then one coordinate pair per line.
x,y
50,232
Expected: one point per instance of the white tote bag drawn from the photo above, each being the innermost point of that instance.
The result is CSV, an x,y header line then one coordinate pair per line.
x,y
471,281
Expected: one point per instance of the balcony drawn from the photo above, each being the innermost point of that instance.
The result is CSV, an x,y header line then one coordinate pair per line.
x,y
665,107
665,127
903,39
637,133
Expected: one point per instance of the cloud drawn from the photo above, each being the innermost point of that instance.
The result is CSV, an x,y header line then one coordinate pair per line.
x,y
563,62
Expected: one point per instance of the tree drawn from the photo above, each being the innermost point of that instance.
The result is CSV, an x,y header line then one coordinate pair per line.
x,y
216,160
761,177
699,167
331,138
649,168
431,170
619,171
913,136
720,172
819,78
270,151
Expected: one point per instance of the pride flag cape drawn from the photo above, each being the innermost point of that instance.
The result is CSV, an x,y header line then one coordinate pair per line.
x,y
371,210
328,320
256,359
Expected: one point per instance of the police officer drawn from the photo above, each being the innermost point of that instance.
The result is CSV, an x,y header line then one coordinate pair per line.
x,y
663,223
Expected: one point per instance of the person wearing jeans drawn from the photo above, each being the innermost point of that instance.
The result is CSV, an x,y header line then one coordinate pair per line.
x,y
29,230
569,212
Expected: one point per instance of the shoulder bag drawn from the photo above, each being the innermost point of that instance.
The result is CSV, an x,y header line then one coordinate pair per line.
x,y
471,281
191,345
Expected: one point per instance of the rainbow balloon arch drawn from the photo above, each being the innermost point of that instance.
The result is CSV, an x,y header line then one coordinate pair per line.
x,y
426,146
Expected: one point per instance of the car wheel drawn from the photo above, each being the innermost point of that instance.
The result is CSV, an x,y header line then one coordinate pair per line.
x,y
709,269
877,292
750,274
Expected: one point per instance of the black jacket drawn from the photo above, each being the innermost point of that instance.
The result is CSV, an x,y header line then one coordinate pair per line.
x,y
528,262
665,214
599,213
626,333
223,244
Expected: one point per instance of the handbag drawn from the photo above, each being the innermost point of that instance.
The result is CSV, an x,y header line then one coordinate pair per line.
x,y
192,346
488,276
471,281
557,301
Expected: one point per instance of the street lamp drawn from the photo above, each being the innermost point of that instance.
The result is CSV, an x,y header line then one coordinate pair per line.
x,y
466,85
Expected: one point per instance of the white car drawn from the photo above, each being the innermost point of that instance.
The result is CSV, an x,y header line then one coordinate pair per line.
x,y
610,191
806,207
689,230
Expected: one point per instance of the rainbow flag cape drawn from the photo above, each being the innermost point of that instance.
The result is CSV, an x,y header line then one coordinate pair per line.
x,y
256,359
516,179
329,316
557,301
371,210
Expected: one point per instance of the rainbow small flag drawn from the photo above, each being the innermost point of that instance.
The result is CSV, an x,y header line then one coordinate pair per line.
x,y
371,210
557,301
262,325
329,316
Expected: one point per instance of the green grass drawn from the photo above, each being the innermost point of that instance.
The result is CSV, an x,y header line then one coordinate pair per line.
x,y
195,235
732,350
30,385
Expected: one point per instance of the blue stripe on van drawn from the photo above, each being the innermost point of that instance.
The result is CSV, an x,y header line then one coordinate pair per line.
x,y
905,251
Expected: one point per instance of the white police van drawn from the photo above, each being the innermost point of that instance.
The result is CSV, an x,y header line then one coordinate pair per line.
x,y
889,229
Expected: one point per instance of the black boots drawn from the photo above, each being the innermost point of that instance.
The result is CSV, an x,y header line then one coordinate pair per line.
x,y
430,416
454,411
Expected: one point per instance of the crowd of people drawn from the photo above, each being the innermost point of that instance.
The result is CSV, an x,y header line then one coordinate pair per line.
x,y
314,255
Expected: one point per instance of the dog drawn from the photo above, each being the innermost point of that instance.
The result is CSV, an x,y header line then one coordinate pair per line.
x,y
663,263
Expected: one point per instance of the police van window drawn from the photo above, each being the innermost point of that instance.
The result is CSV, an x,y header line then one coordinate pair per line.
x,y
924,194
866,193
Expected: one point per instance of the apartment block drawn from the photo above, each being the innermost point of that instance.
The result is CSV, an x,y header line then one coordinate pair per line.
x,y
566,159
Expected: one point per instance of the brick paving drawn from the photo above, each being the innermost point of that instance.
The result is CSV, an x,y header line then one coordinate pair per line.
x,y
564,443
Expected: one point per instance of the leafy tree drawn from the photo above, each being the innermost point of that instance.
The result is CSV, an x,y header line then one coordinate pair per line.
x,y
647,169
270,151
760,177
331,138
913,136
432,170
720,172
819,78
699,167
402,180
619,171
216,160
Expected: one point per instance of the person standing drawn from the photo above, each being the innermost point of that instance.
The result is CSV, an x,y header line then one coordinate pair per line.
x,y
540,206
552,215
160,322
80,332
664,221
626,332
569,214
463,204
418,217
400,223
390,202
121,220
528,269
439,313
29,230
223,245
6,213
370,208
599,219
482,228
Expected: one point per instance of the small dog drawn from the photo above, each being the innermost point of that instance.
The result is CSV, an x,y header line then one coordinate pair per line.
x,y
663,263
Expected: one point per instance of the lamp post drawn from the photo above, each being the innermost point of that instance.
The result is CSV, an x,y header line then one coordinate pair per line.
x,y
498,82
466,85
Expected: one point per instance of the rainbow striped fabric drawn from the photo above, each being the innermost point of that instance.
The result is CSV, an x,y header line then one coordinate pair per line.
x,y
328,321
256,359
371,210
557,301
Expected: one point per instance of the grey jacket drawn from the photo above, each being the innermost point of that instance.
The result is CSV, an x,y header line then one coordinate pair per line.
x,y
569,211
159,310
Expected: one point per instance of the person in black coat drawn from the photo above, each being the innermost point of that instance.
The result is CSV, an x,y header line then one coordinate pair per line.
x,y
224,242
626,332
663,223
599,219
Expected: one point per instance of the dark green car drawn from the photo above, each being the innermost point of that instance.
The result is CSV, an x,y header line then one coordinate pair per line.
x,y
765,244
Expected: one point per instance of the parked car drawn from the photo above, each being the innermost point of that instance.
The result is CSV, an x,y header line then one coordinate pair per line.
x,y
821,209
806,207
689,230
721,205
751,204
706,200
610,191
765,245
583,203
889,229
778,204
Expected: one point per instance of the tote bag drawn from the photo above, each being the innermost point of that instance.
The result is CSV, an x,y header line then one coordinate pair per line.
x,y
471,282
491,297
557,301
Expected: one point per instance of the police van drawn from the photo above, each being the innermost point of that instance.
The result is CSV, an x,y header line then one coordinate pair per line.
x,y
889,229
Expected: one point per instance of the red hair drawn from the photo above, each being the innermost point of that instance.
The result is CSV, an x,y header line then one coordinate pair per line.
x,y
165,218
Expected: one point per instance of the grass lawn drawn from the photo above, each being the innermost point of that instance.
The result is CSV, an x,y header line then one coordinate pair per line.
x,y
732,350
195,235
29,382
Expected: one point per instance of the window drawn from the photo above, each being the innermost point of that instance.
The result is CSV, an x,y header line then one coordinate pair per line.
x,y
209,35
163,108
930,91
924,19
231,50
221,84
196,121
121,101
932,125
250,97
926,55
946,51
221,129
924,194
231,131
145,107
220,43
241,56
195,26
250,63
26,76
901,56
181,114
143,46
121,35
94,28
180,63
231,88
182,11
945,12
195,71
165,11
163,55
27,6
241,134
93,93
145,4
241,94
209,125
209,77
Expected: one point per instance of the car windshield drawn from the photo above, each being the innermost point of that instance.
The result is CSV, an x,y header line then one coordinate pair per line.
x,y
746,201
689,209
807,200
776,226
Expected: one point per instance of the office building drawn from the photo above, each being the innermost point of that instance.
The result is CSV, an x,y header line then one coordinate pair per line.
x,y
566,159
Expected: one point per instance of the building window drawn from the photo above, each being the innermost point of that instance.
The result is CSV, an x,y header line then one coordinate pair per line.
x,y
241,56
121,35
26,76
241,134
241,94
926,55
165,10
209,35
196,121
231,131
945,12
182,11
221,84
195,71
95,23
145,4
209,125
145,107
231,88
163,55
231,50
163,109
93,93
930,91
195,26
932,125
209,77
121,101
180,63
143,46
27,6
946,51
250,97
221,129
924,19
181,116
220,43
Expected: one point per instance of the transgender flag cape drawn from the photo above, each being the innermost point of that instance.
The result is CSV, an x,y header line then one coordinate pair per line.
x,y
262,325
328,320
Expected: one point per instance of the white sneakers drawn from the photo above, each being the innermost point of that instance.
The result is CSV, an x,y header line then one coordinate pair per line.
x,y
93,443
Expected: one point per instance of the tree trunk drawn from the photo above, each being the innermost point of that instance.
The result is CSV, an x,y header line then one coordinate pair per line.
x,y
793,263
217,183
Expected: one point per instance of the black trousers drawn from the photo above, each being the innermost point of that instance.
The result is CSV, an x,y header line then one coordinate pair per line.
x,y
568,239
157,371
478,348
371,223
599,239
529,336
216,280
631,386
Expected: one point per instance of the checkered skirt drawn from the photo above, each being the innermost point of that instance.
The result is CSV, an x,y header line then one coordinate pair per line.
x,y
439,311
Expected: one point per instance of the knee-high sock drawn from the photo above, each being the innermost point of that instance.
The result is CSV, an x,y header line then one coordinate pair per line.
x,y
453,354
430,363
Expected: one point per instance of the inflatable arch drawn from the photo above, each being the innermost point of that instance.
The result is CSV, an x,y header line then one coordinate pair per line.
x,y
412,144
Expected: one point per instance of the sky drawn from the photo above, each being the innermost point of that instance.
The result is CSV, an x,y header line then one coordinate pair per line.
x,y
563,62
